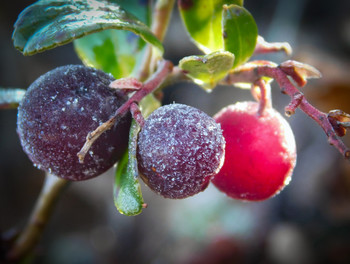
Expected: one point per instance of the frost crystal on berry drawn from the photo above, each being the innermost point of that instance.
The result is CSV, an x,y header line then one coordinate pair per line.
x,y
179,149
58,111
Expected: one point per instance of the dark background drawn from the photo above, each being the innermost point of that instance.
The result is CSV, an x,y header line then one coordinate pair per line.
x,y
309,222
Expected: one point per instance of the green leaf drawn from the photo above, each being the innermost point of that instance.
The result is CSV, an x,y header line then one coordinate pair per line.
x,y
202,19
10,98
49,23
118,52
127,191
140,9
148,104
240,32
207,70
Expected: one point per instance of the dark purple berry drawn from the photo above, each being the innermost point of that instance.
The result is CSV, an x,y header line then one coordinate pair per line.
x,y
180,148
58,111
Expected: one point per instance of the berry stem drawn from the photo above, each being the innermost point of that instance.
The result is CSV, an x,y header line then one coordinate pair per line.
x,y
164,69
264,96
136,114
160,21
254,71
31,234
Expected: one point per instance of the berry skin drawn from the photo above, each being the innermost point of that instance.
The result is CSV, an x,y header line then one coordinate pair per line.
x,y
260,152
58,111
180,148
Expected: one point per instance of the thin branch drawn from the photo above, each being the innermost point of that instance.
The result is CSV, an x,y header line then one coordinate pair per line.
x,y
152,84
160,21
264,96
136,114
31,234
254,71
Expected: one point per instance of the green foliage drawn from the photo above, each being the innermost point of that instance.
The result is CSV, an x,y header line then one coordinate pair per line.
x,y
240,32
118,52
127,192
202,19
114,51
207,70
10,98
218,25
49,23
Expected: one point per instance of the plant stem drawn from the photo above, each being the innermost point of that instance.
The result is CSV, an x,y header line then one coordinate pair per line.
x,y
164,69
264,96
160,21
31,234
254,71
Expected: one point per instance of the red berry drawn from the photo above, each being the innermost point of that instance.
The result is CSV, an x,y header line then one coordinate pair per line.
x,y
58,111
260,152
180,148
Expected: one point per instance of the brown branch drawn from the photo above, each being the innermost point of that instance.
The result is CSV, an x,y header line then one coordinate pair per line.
x,y
149,86
31,234
136,114
254,71
264,95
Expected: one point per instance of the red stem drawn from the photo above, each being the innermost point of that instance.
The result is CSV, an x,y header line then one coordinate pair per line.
x,y
254,73
164,69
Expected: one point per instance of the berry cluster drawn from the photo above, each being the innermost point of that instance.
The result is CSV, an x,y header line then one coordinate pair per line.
x,y
180,149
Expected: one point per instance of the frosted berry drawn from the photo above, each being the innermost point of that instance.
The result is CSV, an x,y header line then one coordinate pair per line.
x,y
58,111
260,152
179,149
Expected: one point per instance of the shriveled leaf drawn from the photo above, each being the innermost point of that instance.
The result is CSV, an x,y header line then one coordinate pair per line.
x,y
49,23
240,32
118,52
300,72
202,19
127,191
127,83
207,70
10,98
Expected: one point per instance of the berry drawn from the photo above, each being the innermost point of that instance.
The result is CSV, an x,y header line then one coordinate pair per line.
x,y
260,152
58,111
179,149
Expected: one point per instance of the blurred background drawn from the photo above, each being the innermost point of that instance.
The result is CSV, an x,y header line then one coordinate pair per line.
x,y
309,222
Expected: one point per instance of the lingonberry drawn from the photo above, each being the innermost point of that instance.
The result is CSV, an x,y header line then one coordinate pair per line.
x,y
58,111
179,149
260,152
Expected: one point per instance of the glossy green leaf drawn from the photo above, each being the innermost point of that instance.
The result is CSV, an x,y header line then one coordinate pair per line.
x,y
49,23
127,191
240,32
118,52
10,98
207,70
202,19
139,8
114,51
